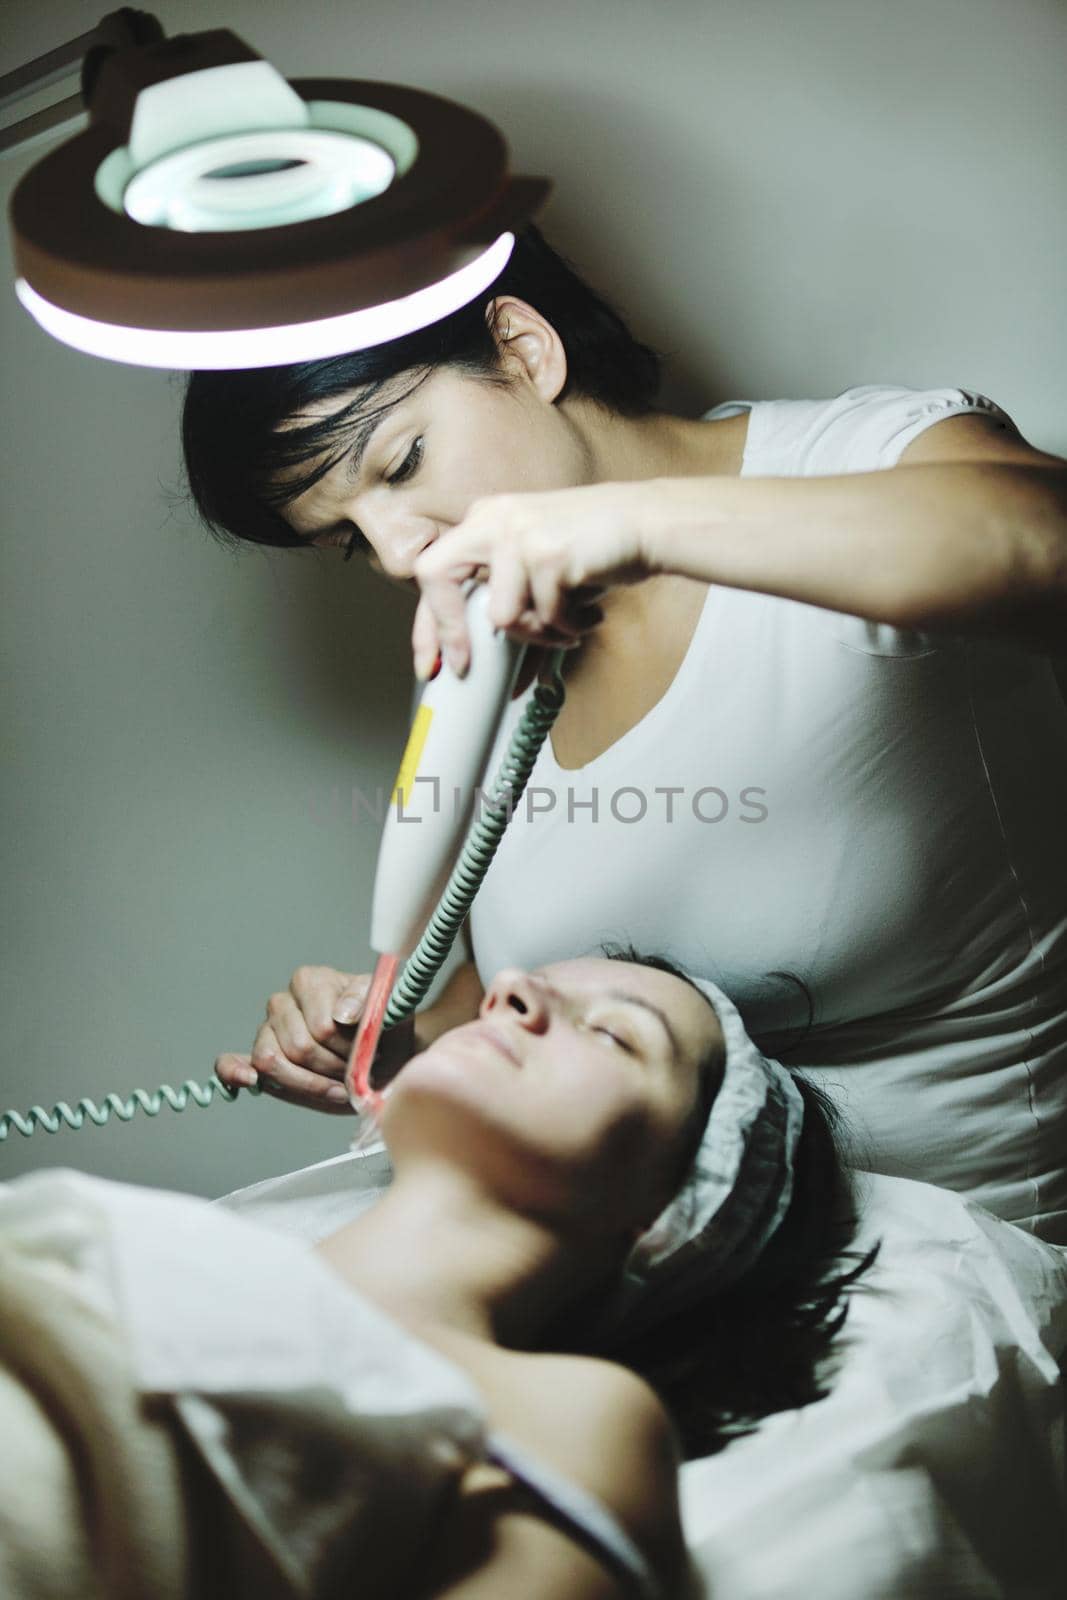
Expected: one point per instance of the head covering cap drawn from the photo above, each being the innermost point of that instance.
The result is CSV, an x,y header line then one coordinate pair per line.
x,y
737,1192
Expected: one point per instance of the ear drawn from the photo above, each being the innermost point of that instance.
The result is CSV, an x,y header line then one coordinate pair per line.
x,y
526,340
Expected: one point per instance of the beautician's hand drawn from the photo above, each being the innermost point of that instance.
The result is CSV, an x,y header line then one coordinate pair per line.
x,y
301,1050
549,557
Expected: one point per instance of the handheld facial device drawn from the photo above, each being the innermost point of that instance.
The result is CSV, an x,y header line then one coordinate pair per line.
x,y
434,797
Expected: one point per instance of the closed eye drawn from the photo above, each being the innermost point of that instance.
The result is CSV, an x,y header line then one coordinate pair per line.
x,y
623,1044
408,467
410,464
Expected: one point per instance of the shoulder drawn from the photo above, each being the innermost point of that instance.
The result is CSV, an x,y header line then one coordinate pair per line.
x,y
599,1427
627,1451
604,1427
616,1439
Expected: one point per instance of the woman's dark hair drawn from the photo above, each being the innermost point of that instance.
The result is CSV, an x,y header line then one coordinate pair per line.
x,y
242,466
757,1347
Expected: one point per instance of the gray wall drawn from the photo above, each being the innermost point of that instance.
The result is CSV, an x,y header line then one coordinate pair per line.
x,y
790,196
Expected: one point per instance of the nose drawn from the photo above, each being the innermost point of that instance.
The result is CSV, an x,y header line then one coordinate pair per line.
x,y
399,544
515,994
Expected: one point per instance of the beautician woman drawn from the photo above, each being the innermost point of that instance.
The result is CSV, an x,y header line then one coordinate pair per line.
x,y
812,724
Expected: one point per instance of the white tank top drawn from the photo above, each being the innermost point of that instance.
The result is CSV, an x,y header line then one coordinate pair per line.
x,y
880,813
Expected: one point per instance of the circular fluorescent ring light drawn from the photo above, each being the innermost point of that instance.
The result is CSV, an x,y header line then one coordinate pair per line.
x,y
456,198
255,180
187,350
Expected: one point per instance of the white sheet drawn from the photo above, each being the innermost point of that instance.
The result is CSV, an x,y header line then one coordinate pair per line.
x,y
936,1466
334,1436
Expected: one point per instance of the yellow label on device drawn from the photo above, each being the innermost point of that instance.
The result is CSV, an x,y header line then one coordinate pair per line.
x,y
409,762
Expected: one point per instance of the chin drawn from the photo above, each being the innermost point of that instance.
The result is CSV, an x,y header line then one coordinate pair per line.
x,y
446,1060
445,1103
470,1085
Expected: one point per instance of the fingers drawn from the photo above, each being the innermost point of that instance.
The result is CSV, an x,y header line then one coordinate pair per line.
x,y
548,556
315,1091
236,1071
570,623
527,595
443,609
547,596
285,1035
296,1087
302,1047
328,1002
425,644
508,590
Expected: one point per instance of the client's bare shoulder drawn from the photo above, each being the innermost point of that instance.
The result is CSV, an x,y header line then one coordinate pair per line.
x,y
600,1427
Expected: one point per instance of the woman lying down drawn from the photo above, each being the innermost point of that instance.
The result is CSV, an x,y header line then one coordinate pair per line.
x,y
614,1237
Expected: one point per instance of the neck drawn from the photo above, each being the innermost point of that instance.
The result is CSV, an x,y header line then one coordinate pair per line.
x,y
630,449
438,1255
660,445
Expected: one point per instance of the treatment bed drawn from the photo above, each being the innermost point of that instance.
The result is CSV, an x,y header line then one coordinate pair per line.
x,y
934,1467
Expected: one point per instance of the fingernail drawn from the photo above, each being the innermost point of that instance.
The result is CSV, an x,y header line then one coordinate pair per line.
x,y
246,1076
347,1010
427,667
337,1094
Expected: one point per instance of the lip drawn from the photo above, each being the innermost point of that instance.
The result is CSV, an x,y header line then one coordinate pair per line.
x,y
495,1037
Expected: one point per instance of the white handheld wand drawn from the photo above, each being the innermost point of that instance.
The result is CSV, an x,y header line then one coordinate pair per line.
x,y
430,808
429,813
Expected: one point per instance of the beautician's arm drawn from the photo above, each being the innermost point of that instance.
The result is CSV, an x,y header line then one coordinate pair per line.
x,y
967,533
968,547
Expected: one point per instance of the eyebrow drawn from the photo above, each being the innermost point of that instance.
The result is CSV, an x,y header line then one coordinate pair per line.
x,y
654,1010
631,1000
365,432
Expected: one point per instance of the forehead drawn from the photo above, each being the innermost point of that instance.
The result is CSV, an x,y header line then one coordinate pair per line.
x,y
692,1019
370,408
372,404
369,402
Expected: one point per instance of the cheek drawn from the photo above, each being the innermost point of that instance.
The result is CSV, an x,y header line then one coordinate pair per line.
x,y
603,1133
569,1140
506,454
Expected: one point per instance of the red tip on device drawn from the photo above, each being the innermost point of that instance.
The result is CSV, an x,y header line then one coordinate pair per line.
x,y
357,1073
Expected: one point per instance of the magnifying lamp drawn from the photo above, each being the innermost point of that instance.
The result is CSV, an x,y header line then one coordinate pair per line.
x,y
216,215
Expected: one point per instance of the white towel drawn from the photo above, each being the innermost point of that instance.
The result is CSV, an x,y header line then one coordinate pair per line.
x,y
133,1323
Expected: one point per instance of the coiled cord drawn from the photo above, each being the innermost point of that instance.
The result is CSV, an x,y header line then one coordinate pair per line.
x,y
422,965
151,1104
480,846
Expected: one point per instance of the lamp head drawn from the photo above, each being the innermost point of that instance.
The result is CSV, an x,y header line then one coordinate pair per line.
x,y
215,215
